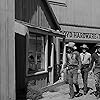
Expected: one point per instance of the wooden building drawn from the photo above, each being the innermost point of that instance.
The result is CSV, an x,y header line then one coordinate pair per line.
x,y
79,21
28,40
7,50
36,40
79,25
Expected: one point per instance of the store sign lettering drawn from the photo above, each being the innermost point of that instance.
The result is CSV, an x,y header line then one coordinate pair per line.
x,y
79,35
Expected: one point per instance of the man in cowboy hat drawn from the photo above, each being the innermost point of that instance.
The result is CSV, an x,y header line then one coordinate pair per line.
x,y
85,59
72,64
96,68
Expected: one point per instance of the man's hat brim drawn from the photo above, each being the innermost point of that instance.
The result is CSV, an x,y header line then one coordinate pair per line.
x,y
84,48
70,45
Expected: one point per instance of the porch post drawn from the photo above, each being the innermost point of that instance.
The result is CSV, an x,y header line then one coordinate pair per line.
x,y
46,54
58,50
52,64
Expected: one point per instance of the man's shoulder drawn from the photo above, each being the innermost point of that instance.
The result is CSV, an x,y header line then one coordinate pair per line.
x,y
94,54
88,53
76,52
81,53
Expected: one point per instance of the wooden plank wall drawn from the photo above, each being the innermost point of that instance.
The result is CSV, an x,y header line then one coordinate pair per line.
x,y
37,81
34,12
7,50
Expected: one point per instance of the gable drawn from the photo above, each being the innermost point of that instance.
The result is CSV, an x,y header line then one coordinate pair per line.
x,y
35,12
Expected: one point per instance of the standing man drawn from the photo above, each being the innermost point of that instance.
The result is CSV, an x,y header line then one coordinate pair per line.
x,y
73,66
85,59
96,69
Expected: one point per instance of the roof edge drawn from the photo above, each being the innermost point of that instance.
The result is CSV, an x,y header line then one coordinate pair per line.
x,y
53,15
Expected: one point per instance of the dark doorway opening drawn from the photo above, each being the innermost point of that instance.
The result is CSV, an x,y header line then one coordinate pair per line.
x,y
20,66
90,45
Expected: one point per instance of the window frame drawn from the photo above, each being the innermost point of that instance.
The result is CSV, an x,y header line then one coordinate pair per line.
x,y
29,36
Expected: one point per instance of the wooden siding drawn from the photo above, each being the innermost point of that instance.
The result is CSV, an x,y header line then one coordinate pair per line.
x,y
34,12
7,50
37,81
77,12
60,12
22,81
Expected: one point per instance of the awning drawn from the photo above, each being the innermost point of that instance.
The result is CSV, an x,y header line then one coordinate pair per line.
x,y
20,28
81,34
23,27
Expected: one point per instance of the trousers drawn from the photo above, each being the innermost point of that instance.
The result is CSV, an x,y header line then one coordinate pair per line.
x,y
73,80
97,82
84,72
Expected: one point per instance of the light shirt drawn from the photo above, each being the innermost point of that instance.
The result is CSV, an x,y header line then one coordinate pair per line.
x,y
85,58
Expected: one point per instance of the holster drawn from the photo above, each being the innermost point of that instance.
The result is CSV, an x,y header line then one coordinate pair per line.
x,y
72,67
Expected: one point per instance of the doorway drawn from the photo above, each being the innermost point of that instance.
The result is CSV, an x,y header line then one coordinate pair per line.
x,y
20,66
90,45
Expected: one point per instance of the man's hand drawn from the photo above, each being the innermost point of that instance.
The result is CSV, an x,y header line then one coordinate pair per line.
x,y
91,72
79,71
62,71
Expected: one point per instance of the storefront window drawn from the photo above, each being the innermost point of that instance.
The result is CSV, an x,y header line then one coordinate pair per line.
x,y
36,54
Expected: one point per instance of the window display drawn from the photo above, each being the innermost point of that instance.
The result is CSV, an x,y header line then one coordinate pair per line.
x,y
36,54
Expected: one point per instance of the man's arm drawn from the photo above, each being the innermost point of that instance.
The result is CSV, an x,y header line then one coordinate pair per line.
x,y
79,62
90,58
92,61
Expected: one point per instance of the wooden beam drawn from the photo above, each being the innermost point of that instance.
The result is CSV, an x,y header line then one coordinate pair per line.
x,y
46,54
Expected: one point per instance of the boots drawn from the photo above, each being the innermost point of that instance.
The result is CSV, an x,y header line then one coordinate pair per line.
x,y
77,94
77,88
98,92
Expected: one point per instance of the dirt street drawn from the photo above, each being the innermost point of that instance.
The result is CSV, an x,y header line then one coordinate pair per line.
x,y
62,92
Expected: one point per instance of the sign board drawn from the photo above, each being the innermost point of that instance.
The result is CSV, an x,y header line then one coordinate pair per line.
x,y
82,36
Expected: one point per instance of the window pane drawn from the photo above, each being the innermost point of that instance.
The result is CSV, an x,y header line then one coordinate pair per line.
x,y
40,62
40,53
36,54
32,68
40,44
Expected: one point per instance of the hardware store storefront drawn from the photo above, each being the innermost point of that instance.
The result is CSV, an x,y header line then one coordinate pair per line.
x,y
89,36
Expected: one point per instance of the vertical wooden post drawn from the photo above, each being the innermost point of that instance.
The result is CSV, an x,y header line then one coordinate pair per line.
x,y
52,64
64,61
7,50
46,54
58,50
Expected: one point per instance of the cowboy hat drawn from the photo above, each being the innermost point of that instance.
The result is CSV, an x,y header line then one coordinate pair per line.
x,y
84,46
70,44
97,45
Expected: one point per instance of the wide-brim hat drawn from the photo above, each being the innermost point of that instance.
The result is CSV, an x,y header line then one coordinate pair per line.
x,y
97,45
70,45
84,46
